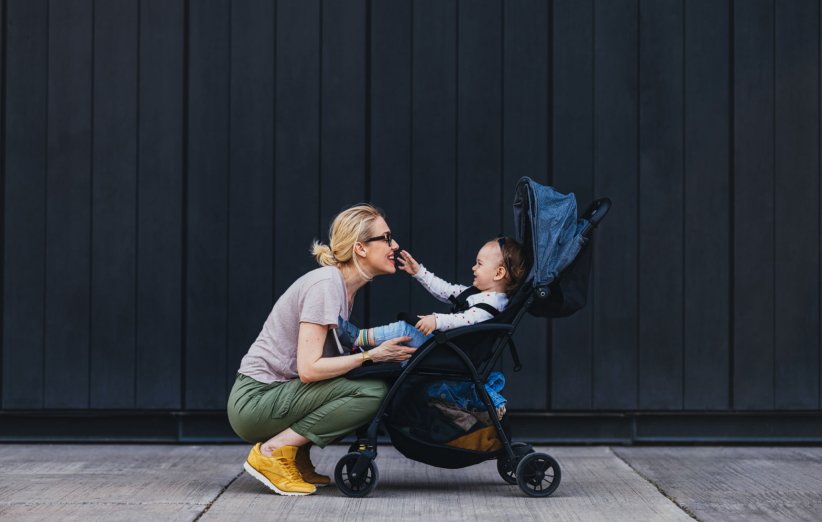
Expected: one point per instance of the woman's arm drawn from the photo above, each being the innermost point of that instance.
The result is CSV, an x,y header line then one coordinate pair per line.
x,y
312,366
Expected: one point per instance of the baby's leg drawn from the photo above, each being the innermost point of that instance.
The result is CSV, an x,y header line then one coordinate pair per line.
x,y
379,334
347,332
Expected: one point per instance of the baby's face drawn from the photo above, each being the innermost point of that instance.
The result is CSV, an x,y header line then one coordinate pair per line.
x,y
487,275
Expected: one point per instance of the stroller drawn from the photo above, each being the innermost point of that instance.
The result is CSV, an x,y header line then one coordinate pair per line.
x,y
424,428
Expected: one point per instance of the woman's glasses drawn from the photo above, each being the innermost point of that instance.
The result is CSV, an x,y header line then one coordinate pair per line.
x,y
387,237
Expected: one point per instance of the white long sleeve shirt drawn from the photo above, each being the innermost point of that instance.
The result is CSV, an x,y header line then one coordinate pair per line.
x,y
442,290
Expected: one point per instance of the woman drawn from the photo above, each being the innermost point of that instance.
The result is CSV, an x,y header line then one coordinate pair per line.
x,y
289,392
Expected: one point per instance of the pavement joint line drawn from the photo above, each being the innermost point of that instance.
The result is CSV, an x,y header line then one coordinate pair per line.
x,y
102,503
657,486
208,506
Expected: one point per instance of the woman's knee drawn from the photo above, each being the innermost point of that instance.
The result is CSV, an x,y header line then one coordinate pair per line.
x,y
368,397
372,389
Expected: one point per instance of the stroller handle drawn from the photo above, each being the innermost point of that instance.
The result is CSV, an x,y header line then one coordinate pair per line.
x,y
595,213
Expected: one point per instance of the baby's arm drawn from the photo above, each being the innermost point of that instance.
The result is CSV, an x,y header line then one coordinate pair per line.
x,y
467,318
437,287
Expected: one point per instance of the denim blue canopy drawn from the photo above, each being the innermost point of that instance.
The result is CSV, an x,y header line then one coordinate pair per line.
x,y
546,221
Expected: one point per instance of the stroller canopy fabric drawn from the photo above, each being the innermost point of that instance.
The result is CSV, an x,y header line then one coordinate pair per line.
x,y
546,221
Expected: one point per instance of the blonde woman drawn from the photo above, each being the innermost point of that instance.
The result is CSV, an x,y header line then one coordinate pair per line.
x,y
289,393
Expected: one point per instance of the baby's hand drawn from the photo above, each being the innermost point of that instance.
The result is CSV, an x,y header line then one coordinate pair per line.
x,y
426,324
408,263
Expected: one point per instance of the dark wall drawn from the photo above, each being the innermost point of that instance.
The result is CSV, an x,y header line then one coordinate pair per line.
x,y
166,164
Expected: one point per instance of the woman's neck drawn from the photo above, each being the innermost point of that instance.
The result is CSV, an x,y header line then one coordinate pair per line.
x,y
353,281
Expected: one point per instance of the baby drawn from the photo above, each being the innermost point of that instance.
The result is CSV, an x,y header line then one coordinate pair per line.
x,y
498,273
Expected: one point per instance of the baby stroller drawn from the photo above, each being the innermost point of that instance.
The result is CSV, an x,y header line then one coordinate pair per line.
x,y
425,429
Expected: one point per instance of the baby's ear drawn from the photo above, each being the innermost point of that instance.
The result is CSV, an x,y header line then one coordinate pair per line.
x,y
500,273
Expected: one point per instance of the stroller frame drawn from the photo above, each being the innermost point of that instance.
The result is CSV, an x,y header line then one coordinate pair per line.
x,y
356,473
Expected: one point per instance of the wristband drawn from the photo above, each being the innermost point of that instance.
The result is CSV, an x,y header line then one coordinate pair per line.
x,y
366,358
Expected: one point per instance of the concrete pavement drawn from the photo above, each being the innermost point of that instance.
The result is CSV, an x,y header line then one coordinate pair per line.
x,y
163,482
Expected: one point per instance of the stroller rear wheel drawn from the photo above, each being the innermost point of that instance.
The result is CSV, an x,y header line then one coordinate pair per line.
x,y
351,482
538,475
506,468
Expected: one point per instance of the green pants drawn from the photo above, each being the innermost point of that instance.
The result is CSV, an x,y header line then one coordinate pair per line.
x,y
321,411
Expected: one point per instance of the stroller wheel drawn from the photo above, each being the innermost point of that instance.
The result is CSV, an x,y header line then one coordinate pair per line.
x,y
538,475
351,484
506,468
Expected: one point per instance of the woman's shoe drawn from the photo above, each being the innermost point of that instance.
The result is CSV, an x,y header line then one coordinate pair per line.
x,y
306,468
279,471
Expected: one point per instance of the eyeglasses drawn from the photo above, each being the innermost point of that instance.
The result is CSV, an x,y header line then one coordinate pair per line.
x,y
387,237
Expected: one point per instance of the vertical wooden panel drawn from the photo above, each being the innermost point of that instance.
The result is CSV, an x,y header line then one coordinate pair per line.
x,y
707,255
573,148
207,219
24,204
297,132
160,205
114,199
479,202
525,120
660,204
342,141
68,205
251,183
614,285
796,190
753,204
2,179
433,194
390,141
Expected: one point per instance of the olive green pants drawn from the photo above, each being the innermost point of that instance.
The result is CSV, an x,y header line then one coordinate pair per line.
x,y
321,411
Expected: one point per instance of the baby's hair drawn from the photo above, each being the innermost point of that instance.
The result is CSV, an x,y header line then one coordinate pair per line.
x,y
513,259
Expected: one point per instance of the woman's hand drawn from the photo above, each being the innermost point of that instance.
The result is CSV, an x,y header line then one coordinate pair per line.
x,y
392,350
426,324
409,264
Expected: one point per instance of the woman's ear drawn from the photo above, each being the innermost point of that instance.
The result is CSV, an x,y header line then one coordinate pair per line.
x,y
359,249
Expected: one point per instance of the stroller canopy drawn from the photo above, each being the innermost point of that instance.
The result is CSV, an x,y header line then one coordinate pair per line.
x,y
545,221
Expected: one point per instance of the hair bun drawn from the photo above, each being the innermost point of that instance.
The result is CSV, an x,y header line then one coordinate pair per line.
x,y
323,254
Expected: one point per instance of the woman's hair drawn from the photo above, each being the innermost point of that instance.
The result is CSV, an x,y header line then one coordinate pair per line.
x,y
513,259
350,226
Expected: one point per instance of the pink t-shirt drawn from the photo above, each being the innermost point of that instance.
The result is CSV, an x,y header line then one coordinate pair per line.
x,y
317,297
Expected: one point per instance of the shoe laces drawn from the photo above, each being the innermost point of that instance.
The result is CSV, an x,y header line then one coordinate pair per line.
x,y
290,468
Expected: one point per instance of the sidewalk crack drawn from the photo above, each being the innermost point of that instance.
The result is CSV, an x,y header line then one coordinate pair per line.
x,y
208,506
654,484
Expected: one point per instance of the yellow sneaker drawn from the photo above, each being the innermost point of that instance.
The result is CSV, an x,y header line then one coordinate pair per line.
x,y
278,472
306,468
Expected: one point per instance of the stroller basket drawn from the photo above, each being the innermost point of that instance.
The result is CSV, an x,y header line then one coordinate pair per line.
x,y
434,454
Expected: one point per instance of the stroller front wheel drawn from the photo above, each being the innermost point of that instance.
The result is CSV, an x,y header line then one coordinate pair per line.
x,y
506,468
354,482
538,475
